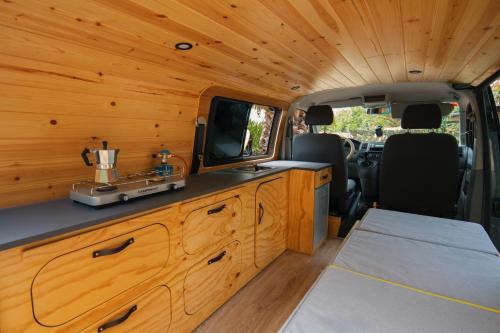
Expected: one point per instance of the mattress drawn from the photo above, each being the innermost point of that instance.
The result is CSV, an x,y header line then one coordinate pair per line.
x,y
341,301
462,234
398,272
454,272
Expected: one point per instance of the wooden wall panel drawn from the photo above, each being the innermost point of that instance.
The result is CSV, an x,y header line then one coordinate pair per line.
x,y
73,73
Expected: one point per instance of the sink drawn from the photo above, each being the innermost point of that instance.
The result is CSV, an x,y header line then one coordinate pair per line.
x,y
254,169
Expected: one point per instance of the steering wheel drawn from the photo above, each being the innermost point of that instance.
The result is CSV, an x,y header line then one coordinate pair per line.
x,y
352,149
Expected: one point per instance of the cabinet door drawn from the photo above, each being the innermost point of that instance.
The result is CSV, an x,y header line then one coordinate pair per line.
x,y
211,280
149,313
271,212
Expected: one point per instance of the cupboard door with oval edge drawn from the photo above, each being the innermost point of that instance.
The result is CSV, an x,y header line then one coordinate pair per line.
x,y
208,225
271,213
150,313
212,280
75,282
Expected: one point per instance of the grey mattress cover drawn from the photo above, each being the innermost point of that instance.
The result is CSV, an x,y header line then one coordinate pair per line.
x,y
455,233
463,274
345,302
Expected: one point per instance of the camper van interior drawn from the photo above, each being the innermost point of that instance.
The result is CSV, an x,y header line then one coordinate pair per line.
x,y
293,166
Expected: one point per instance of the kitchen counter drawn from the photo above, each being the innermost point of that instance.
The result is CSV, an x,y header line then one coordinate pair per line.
x,y
25,224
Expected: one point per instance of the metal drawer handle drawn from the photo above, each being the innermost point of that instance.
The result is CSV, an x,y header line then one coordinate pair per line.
x,y
100,253
216,210
261,212
324,177
118,321
217,258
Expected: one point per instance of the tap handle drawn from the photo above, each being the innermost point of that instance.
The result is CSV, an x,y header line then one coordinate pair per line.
x,y
105,144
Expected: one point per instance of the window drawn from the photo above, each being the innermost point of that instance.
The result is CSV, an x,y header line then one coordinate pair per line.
x,y
299,124
356,123
495,90
239,130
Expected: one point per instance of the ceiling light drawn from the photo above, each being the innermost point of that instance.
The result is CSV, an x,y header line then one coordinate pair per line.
x,y
295,87
415,71
184,46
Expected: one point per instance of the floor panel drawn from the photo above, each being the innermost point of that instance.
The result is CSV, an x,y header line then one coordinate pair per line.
x,y
265,302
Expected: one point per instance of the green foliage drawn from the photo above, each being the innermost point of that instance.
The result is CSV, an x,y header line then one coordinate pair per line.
x,y
495,88
355,123
255,129
358,124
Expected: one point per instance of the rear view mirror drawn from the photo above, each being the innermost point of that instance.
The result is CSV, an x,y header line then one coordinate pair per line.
x,y
373,111
379,110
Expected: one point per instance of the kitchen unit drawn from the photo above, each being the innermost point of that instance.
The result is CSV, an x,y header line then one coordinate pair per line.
x,y
162,267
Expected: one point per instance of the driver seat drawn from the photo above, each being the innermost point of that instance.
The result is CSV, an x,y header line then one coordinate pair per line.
x,y
326,148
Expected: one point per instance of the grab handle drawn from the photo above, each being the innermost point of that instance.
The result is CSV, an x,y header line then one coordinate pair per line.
x,y
118,321
217,257
216,210
108,252
261,212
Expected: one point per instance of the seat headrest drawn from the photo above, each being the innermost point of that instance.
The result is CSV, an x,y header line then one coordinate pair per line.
x,y
319,115
421,116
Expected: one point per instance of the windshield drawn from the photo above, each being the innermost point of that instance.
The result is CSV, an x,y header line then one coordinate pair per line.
x,y
355,123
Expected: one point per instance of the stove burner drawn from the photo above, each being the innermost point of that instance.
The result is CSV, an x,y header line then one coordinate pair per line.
x,y
156,179
106,188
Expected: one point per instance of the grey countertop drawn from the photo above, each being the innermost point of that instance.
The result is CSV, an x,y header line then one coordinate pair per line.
x,y
25,224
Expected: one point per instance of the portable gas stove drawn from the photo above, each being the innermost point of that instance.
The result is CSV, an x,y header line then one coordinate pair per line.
x,y
125,188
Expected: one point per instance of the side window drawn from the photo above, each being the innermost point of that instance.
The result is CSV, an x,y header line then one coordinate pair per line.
x,y
495,89
299,124
239,130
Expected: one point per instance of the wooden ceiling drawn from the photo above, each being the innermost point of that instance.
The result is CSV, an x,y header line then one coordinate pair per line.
x,y
269,46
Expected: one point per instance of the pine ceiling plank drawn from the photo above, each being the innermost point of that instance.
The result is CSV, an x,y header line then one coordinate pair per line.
x,y
483,63
387,21
158,34
264,45
447,16
265,23
288,14
476,30
417,25
321,15
59,25
354,15
250,56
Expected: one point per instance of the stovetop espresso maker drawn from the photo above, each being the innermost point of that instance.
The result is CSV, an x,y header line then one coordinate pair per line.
x,y
105,162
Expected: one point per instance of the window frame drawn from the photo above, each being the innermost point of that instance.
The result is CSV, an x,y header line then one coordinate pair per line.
x,y
208,162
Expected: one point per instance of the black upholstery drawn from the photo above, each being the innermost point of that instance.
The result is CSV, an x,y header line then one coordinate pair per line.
x,y
319,115
419,172
326,148
419,116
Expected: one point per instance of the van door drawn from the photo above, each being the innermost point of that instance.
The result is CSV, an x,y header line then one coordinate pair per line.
x,y
489,98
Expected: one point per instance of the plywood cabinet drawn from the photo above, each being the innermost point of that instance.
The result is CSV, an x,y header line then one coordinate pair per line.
x,y
208,281
148,313
271,201
75,282
166,270
208,225
309,201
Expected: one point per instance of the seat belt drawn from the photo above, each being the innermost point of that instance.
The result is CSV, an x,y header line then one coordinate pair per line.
x,y
199,135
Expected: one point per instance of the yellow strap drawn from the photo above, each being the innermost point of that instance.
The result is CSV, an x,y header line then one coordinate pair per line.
x,y
456,300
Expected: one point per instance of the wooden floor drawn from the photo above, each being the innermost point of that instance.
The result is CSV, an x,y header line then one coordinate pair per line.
x,y
265,302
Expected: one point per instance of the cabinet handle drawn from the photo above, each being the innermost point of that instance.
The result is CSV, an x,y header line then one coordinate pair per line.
x,y
216,210
261,212
100,253
324,177
118,321
217,257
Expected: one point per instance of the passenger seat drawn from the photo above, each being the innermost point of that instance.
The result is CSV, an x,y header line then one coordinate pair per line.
x,y
419,172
